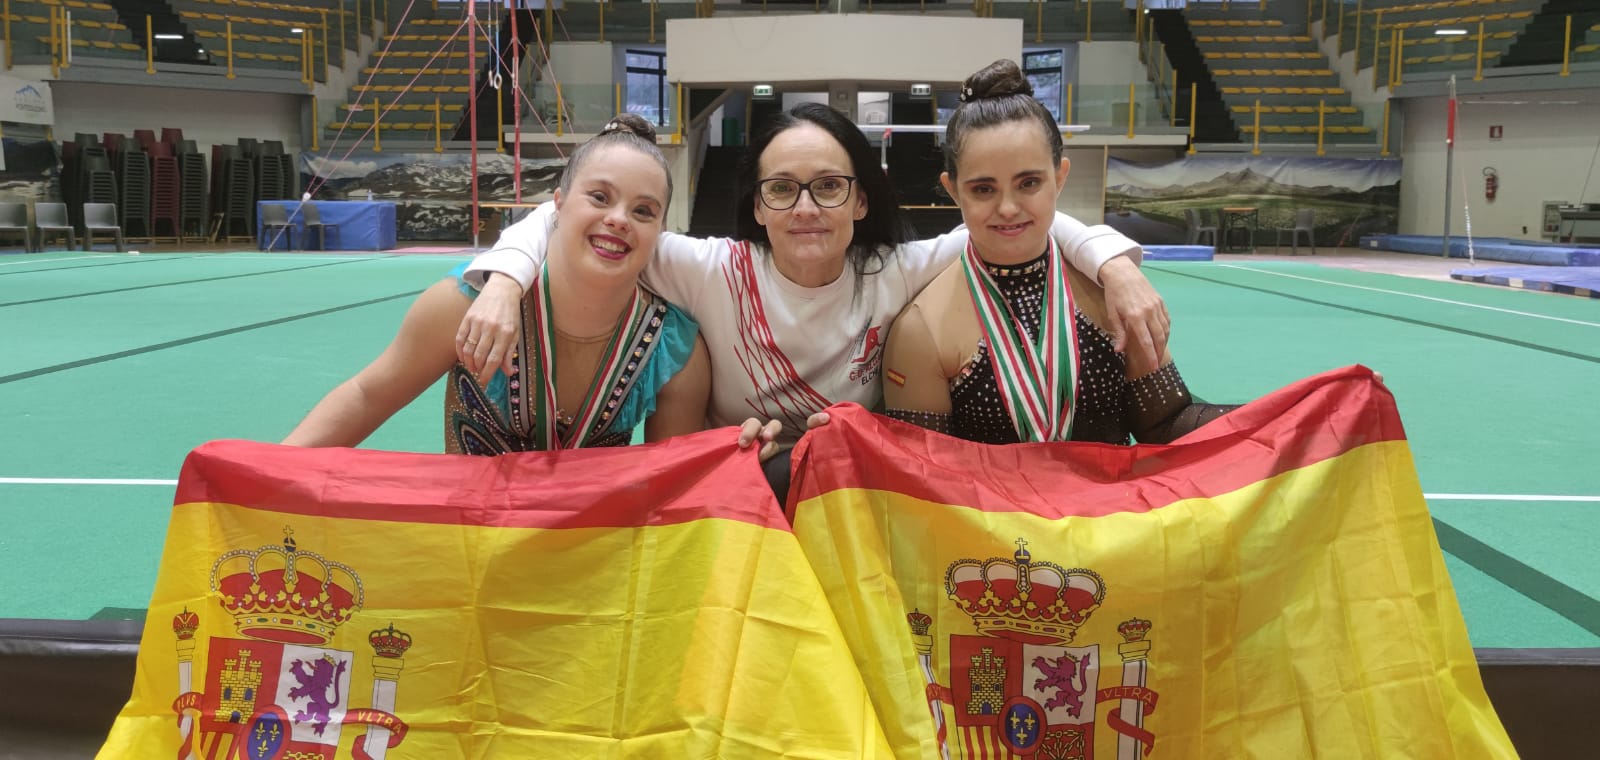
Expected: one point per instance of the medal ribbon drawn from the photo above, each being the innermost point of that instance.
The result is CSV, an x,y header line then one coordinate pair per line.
x,y
599,396
1037,379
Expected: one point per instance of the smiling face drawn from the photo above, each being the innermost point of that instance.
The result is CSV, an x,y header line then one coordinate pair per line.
x,y
1006,184
809,242
608,223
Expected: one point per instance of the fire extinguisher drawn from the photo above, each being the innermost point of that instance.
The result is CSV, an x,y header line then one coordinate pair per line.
x,y
1491,183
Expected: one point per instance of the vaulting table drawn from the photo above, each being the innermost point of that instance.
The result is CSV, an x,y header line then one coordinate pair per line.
x,y
361,225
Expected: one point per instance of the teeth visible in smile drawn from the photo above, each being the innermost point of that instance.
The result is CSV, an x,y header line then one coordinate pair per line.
x,y
608,245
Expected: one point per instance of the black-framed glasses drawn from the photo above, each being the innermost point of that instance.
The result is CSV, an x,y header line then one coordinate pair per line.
x,y
781,193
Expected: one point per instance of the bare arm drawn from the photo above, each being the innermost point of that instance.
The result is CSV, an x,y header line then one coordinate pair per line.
x,y
421,352
681,404
915,386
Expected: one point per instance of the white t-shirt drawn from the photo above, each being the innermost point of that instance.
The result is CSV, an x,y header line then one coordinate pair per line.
x,y
779,350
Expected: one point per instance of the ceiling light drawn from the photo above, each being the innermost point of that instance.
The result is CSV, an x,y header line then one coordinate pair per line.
x,y
169,36
1450,32
297,30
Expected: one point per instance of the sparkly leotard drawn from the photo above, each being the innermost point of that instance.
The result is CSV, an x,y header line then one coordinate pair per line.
x,y
1155,408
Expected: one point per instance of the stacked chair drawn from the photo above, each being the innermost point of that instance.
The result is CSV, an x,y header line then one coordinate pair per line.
x,y
288,189
194,201
166,189
232,191
87,176
268,170
132,167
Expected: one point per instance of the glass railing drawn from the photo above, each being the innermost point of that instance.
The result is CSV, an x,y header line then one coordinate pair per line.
x,y
1112,109
582,109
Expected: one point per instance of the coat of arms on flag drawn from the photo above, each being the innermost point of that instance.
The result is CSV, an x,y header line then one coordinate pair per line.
x,y
1023,685
278,691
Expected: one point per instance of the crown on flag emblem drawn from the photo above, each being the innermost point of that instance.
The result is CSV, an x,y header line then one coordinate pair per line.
x,y
1023,600
920,622
388,642
184,624
282,594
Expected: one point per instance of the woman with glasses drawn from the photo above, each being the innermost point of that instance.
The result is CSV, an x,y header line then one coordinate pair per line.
x,y
796,308
599,353
1000,347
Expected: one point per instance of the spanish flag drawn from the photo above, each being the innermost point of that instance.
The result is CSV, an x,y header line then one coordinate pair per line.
x,y
643,602
1269,586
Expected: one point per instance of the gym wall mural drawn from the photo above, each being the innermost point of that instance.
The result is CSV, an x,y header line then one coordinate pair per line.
x,y
1348,197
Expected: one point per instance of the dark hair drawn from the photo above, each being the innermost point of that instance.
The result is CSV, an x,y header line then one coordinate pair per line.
x,y
626,129
883,225
996,94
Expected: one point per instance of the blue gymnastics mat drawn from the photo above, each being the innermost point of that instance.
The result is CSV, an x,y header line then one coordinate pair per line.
x,y
1492,249
1178,253
1573,281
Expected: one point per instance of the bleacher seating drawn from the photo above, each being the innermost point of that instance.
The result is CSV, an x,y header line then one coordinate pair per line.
x,y
263,32
419,71
1261,60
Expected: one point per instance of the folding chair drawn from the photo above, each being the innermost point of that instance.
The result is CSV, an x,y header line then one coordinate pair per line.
x,y
313,218
100,217
1197,229
273,218
1302,225
14,219
50,220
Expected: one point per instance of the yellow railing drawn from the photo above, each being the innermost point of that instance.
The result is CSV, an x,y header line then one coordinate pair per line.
x,y
1322,125
1255,148
1478,76
1193,98
1385,127
438,126
1566,50
1377,46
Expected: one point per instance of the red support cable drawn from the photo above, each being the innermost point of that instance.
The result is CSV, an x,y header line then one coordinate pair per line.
x,y
516,109
472,114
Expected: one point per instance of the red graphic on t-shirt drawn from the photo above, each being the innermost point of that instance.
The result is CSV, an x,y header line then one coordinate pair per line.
x,y
780,391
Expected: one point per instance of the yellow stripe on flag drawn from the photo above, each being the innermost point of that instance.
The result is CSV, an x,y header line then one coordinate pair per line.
x,y
1269,588
482,627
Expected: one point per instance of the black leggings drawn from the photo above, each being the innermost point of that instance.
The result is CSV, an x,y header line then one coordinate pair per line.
x,y
777,470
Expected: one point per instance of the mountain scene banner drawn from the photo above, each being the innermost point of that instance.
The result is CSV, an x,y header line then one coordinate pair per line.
x,y
431,190
1347,197
1269,586
644,602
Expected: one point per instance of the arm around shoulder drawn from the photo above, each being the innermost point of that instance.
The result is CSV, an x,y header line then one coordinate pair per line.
x,y
1090,247
520,251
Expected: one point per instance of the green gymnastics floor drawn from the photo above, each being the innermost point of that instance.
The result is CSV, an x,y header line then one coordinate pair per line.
x,y
115,366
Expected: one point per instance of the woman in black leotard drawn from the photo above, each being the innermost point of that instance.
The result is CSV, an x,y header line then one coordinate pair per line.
x,y
999,348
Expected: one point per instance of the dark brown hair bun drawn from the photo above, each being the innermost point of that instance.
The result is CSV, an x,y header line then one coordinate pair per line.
x,y
632,124
1000,79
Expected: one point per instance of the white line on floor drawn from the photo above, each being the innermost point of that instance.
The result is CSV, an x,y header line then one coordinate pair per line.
x,y
87,482
51,261
1506,497
1413,295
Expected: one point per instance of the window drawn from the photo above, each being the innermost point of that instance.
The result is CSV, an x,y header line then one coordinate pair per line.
x,y
647,85
1043,70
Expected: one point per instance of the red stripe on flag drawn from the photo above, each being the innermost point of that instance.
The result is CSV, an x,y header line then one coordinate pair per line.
x,y
676,481
1310,421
